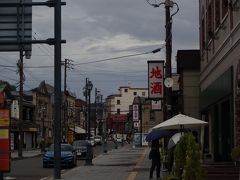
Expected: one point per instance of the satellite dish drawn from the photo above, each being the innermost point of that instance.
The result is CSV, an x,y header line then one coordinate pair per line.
x,y
168,82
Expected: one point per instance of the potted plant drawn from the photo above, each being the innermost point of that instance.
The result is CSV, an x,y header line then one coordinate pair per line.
x,y
236,154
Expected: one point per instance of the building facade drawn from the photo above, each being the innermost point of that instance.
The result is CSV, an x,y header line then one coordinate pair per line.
x,y
219,87
119,105
43,102
188,68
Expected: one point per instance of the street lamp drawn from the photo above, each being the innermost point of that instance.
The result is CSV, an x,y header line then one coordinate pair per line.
x,y
89,155
140,118
43,110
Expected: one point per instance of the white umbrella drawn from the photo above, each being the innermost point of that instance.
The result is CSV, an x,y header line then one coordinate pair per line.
x,y
180,121
174,140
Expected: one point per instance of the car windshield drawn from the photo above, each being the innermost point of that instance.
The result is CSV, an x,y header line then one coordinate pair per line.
x,y
64,147
79,143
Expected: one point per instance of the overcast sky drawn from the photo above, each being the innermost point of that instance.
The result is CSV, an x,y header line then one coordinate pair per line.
x,y
102,29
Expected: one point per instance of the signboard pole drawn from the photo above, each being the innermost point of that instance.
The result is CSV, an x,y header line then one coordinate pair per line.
x,y
57,90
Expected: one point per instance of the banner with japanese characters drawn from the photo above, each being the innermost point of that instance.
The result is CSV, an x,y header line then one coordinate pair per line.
x,y
135,113
155,79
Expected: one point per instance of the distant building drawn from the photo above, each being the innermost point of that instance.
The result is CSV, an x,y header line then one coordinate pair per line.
x,y
44,104
117,107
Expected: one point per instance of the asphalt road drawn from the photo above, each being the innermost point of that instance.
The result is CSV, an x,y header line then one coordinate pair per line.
x,y
31,168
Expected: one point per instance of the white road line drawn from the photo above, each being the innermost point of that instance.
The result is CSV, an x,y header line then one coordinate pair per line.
x,y
9,178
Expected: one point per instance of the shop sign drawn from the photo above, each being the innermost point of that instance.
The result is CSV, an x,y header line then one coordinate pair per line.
x,y
135,113
4,140
155,79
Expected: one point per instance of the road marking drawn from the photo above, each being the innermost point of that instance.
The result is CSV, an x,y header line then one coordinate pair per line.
x,y
9,178
44,178
133,174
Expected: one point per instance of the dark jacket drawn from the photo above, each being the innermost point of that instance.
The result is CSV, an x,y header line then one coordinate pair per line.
x,y
154,154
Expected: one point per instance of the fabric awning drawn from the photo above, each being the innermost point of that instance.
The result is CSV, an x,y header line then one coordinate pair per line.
x,y
78,130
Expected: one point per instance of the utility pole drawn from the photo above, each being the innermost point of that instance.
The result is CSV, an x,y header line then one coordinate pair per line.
x,y
57,88
20,125
96,113
168,40
67,65
86,105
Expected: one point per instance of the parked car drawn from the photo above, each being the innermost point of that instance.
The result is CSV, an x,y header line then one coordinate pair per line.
x,y
98,140
81,148
68,156
119,140
92,141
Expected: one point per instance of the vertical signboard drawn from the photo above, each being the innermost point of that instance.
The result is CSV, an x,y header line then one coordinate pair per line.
x,y
135,113
155,79
4,140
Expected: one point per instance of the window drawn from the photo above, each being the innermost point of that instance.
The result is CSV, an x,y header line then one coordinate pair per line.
x,y
118,101
203,34
118,111
152,115
217,14
210,22
125,90
224,8
143,94
134,93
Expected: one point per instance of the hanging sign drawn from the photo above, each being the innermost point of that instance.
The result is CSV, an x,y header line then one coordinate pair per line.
x,y
155,79
135,113
157,105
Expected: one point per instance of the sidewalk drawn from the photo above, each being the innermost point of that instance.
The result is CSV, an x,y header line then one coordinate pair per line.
x,y
124,163
26,153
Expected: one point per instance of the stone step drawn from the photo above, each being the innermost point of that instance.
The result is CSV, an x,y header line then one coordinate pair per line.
x,y
221,177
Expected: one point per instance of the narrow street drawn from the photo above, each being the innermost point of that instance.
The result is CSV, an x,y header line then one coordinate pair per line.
x,y
31,168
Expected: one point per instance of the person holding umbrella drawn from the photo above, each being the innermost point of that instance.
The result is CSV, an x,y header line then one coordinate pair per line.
x,y
154,155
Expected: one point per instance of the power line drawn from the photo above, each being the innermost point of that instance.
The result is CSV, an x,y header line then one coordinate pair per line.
x,y
97,61
119,57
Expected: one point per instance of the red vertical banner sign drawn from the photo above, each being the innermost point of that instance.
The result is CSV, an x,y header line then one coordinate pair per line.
x,y
155,79
4,140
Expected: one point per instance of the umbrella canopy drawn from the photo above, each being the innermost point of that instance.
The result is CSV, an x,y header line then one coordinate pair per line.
x,y
157,134
180,121
174,140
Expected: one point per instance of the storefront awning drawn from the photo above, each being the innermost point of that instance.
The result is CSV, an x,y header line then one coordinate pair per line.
x,y
78,130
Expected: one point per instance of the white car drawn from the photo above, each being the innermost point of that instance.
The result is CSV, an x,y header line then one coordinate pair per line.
x,y
119,140
92,141
98,140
